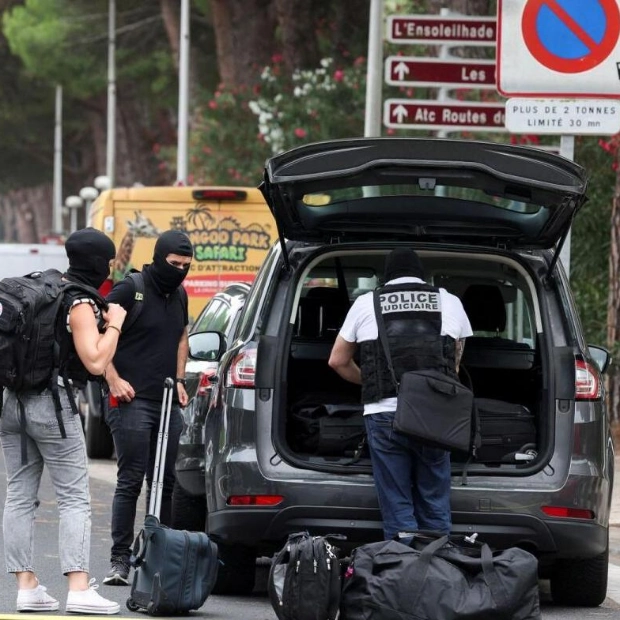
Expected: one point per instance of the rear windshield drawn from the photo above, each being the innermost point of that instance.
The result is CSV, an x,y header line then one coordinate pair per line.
x,y
467,194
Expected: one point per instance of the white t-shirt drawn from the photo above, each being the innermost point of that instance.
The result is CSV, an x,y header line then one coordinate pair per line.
x,y
360,325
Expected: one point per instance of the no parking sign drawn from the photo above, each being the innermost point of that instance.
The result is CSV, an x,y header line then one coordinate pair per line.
x,y
568,48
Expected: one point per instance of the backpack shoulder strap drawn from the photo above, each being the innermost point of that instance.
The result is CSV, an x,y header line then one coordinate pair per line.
x,y
138,281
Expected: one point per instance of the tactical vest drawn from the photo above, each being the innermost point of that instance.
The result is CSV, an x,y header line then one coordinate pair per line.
x,y
412,316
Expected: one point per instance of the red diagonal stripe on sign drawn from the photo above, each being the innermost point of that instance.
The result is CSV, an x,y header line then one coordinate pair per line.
x,y
576,29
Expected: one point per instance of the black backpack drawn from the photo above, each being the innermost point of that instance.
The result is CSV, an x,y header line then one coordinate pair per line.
x,y
31,355
304,579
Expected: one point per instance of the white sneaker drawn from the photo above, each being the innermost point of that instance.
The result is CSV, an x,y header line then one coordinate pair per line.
x,y
36,599
90,602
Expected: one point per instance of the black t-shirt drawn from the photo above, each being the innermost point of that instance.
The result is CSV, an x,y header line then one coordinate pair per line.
x,y
147,351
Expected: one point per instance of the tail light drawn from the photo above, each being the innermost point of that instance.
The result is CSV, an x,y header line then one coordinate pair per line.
x,y
587,381
242,370
204,385
564,512
254,500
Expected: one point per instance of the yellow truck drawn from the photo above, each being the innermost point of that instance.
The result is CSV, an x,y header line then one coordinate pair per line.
x,y
231,229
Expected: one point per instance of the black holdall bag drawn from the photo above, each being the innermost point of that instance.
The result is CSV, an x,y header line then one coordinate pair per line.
x,y
432,407
327,429
440,578
304,580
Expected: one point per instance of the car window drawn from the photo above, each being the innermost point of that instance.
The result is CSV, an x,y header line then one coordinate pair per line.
x,y
215,317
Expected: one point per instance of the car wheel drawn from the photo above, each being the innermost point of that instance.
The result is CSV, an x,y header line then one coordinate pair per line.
x,y
580,583
189,512
237,571
99,442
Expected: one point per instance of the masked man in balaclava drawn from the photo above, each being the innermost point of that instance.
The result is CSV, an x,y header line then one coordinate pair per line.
x,y
39,428
153,347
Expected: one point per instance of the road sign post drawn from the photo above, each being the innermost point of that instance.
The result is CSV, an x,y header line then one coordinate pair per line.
x,y
563,52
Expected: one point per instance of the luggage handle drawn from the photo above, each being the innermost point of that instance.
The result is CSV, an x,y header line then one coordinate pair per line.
x,y
157,486
486,559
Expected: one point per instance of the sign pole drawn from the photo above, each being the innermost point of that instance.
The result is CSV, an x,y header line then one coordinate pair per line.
x,y
374,70
567,149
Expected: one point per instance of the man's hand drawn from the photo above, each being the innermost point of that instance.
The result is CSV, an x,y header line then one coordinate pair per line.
x,y
121,389
183,398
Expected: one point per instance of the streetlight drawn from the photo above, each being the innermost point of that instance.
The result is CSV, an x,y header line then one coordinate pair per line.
x,y
102,182
88,194
73,203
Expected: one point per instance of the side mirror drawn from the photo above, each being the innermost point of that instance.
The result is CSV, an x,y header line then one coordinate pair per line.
x,y
601,357
207,346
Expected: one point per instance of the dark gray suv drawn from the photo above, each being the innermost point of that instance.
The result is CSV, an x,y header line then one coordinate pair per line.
x,y
485,219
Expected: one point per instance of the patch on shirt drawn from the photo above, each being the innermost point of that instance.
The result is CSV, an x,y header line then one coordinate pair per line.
x,y
405,301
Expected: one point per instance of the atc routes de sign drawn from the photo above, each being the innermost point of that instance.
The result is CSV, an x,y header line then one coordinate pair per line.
x,y
551,48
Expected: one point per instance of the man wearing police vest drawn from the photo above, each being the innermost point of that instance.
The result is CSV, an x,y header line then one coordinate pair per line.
x,y
426,328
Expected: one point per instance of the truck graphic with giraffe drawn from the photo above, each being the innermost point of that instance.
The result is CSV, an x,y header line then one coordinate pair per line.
x,y
231,229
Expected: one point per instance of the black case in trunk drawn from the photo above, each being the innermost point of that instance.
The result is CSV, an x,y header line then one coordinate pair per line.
x,y
506,428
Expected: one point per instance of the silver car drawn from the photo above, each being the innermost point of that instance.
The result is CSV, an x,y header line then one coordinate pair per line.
x,y
220,314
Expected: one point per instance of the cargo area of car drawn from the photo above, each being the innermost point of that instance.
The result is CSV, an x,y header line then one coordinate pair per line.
x,y
502,362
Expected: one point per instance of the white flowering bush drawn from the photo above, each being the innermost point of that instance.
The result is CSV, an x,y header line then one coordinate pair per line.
x,y
316,104
234,131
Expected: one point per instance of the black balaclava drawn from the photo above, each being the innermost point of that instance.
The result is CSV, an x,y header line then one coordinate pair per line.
x,y
165,276
89,252
402,262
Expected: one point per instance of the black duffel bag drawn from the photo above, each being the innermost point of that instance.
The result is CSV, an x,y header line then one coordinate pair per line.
x,y
327,430
444,579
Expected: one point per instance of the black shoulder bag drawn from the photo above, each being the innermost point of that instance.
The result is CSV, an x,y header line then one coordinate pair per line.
x,y
432,407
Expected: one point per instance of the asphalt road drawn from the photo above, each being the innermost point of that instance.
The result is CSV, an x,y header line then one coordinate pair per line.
x,y
255,607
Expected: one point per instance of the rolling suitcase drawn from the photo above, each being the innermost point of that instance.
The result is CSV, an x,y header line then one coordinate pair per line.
x,y
508,432
175,570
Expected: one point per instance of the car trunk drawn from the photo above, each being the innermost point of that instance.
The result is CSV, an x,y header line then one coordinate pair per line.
x,y
502,363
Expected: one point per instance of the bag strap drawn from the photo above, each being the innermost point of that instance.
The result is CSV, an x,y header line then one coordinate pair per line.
x,y
383,336
490,576
138,281
139,550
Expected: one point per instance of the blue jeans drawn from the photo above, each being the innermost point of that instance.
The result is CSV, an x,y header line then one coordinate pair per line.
x,y
412,480
135,426
67,465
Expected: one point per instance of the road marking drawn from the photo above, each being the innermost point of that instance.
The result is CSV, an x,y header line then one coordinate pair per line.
x,y
39,616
